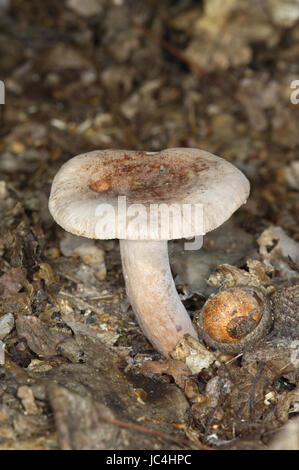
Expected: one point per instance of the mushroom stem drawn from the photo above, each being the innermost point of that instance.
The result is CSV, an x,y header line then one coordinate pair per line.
x,y
152,293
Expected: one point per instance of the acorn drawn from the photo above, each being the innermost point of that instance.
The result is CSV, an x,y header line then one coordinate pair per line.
x,y
235,319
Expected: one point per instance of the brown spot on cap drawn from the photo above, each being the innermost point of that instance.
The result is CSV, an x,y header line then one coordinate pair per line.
x,y
100,185
146,178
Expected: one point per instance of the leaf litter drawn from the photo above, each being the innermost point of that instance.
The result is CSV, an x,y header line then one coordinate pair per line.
x,y
156,76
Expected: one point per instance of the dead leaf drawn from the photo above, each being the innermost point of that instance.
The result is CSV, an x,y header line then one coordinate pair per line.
x,y
177,369
227,276
13,280
40,339
194,354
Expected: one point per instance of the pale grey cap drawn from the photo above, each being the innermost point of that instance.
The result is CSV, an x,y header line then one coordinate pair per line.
x,y
116,194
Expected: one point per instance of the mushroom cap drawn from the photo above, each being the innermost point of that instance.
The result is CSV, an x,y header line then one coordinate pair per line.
x,y
109,194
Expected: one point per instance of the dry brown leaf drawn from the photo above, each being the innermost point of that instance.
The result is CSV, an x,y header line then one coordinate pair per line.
x,y
13,280
40,339
177,369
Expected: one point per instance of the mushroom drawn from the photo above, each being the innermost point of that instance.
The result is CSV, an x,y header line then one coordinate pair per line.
x,y
139,197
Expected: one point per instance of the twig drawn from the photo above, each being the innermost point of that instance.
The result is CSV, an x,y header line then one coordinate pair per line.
x,y
85,305
256,379
162,435
233,359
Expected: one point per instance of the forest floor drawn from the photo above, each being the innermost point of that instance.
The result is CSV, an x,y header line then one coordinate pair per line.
x,y
144,75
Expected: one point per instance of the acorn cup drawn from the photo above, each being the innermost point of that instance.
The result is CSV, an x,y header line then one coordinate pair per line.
x,y
235,319
285,302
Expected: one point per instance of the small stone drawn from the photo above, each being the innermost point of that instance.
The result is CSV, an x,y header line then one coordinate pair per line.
x,y
93,257
90,254
58,123
70,242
